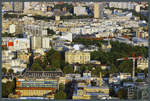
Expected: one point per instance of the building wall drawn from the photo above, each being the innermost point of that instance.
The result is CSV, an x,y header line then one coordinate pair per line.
x,y
45,42
98,10
105,91
79,10
36,42
37,83
12,28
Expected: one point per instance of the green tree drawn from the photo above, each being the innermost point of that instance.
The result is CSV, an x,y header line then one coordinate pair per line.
x,y
139,80
125,66
4,48
122,93
10,71
4,70
60,95
68,69
113,69
36,67
7,88
61,86
50,32
112,92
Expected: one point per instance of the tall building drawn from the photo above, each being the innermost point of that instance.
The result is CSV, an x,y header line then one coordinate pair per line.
x,y
45,42
12,28
77,57
98,10
36,42
7,6
18,7
137,8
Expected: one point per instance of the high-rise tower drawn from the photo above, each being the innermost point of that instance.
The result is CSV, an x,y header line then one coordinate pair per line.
x,y
98,10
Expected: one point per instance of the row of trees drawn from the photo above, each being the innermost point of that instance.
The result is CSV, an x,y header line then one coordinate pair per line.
x,y
7,88
7,16
69,7
10,71
39,17
6,34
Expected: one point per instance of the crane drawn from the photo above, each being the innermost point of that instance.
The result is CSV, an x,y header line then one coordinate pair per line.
x,y
133,58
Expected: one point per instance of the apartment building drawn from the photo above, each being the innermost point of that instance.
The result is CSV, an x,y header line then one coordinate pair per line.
x,y
76,56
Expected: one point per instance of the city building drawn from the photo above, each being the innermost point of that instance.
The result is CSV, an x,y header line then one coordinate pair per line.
x,y
30,87
84,91
45,42
12,28
79,10
75,56
36,42
98,10
18,7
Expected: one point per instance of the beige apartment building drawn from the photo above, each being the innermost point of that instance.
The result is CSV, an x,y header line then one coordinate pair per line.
x,y
98,10
75,56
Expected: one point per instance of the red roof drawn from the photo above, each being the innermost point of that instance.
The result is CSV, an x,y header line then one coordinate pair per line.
x,y
10,44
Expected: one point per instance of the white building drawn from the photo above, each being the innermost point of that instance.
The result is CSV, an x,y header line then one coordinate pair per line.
x,y
12,28
79,10
57,18
98,10
21,44
142,63
45,42
137,8
36,42
67,36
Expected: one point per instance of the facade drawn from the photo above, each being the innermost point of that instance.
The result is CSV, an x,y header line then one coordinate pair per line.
x,y
142,63
12,28
35,92
36,42
57,18
75,56
53,83
18,7
98,10
45,42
